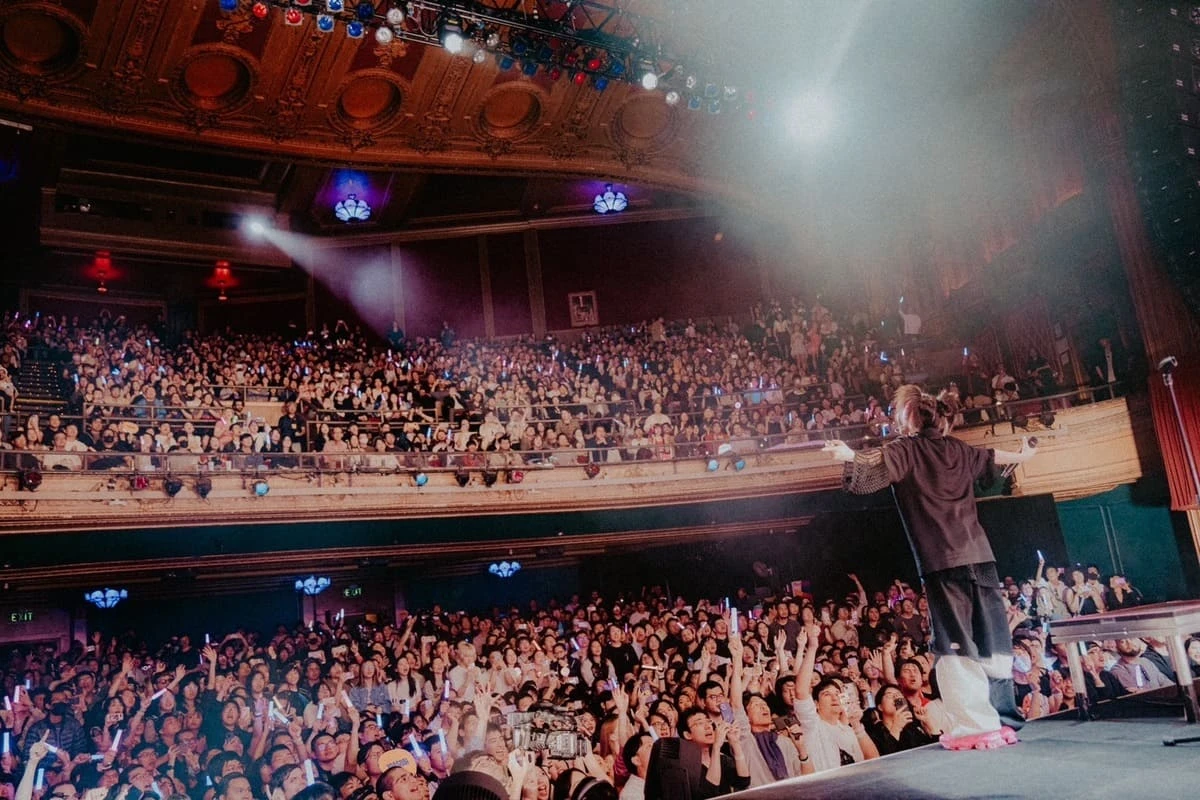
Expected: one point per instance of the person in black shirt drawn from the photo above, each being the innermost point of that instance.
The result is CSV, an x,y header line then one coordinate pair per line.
x,y
932,479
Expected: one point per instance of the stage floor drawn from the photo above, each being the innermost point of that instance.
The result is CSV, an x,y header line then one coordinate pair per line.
x,y
1059,758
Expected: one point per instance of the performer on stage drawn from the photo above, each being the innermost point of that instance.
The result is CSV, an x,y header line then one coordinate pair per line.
x,y
931,476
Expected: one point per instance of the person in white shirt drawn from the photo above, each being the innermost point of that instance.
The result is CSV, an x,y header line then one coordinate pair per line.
x,y
636,754
830,741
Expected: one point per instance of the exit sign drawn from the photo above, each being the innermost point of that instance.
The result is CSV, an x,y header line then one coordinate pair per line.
x,y
19,617
352,591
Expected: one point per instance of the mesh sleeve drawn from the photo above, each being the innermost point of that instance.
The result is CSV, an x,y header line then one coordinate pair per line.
x,y
866,474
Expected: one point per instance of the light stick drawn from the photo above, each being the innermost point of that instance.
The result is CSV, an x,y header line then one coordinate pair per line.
x,y
116,742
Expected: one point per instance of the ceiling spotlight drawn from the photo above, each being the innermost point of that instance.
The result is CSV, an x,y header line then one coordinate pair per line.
x,y
713,465
229,6
505,62
451,35
203,486
649,74
591,470
480,56
690,82
714,106
102,289
221,296
601,83
694,103
260,10
672,98
354,30
172,485
335,6
293,16
261,488
421,479
324,23
710,90
365,11
255,226
493,40
529,68
395,16
384,35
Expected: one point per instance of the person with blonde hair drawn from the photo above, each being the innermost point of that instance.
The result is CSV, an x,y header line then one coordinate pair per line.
x,y
932,475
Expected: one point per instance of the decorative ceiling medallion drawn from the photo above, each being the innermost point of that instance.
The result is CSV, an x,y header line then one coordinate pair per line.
x,y
214,78
644,123
41,39
368,102
510,112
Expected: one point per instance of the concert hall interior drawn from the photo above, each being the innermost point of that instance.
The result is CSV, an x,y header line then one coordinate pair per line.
x,y
502,399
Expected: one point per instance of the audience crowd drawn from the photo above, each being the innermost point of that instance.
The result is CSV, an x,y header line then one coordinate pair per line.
x,y
636,696
651,391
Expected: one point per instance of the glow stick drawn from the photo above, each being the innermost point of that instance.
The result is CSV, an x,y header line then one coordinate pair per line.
x,y
1138,676
653,734
54,749
116,742
7,703
379,720
16,694
733,621
726,603
309,776
28,684
206,640
442,740
40,780
275,714
1040,556
157,790
446,691
346,698
406,710
416,746
320,710
6,745
157,695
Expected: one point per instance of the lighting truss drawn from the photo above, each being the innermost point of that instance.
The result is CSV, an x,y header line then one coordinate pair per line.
x,y
578,38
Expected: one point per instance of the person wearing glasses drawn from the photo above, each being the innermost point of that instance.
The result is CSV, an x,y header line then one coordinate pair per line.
x,y
694,765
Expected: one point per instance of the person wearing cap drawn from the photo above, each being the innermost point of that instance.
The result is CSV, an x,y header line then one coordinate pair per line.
x,y
932,477
62,730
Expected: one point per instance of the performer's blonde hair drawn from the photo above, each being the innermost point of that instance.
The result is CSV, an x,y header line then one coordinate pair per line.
x,y
916,410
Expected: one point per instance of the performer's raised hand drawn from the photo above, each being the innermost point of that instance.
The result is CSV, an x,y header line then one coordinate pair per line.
x,y
839,450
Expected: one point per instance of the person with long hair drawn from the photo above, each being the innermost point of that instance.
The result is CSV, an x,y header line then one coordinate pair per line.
x,y
932,475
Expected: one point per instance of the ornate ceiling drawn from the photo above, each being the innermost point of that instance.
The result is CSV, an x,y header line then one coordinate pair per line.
x,y
187,72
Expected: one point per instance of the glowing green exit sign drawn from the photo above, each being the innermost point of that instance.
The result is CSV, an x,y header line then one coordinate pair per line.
x,y
18,617
352,591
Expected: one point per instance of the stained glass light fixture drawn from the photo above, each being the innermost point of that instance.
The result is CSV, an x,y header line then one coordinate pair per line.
x,y
313,585
610,202
105,598
505,569
352,209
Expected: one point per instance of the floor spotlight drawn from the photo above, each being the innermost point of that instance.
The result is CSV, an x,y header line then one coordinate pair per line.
x,y
462,477
420,479
172,485
490,476
591,470
516,476
203,486
1047,418
261,488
